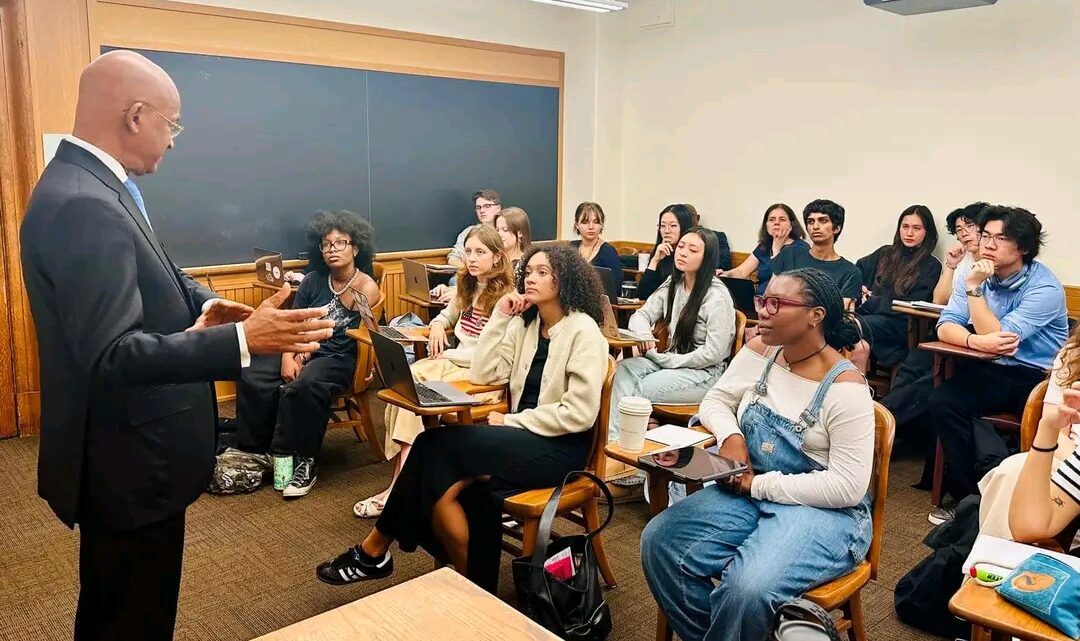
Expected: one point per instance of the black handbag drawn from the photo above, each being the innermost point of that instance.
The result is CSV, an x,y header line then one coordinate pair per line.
x,y
574,609
802,620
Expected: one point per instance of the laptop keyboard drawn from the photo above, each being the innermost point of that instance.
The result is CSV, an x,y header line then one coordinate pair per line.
x,y
428,395
392,333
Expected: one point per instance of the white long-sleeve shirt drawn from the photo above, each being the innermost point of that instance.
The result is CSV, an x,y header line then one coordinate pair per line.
x,y
842,440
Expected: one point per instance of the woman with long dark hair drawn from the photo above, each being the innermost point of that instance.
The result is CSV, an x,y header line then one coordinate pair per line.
x,y
674,221
545,339
699,315
905,270
793,409
779,229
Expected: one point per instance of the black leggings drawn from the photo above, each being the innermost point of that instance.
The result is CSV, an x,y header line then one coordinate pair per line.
x,y
515,459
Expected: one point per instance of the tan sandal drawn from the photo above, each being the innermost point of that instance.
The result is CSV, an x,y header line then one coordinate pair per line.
x,y
370,508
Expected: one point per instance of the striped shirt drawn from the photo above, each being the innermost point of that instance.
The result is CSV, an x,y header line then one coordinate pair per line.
x,y
1067,476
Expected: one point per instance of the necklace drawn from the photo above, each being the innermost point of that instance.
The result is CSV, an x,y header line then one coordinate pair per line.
x,y
788,364
330,283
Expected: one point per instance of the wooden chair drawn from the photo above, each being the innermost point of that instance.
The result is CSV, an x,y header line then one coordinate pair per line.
x,y
845,592
581,494
681,413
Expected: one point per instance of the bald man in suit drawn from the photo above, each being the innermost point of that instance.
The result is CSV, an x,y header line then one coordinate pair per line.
x,y
129,346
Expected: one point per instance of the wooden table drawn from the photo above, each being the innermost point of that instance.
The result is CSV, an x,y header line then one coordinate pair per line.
x,y
994,619
658,492
945,355
425,306
920,322
440,605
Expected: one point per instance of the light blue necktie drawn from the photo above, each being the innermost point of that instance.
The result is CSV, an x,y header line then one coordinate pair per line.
x,y
133,189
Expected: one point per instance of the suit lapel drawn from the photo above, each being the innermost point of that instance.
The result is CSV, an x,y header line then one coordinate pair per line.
x,y
86,160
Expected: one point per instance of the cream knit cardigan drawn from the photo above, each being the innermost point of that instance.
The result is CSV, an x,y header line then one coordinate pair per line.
x,y
573,373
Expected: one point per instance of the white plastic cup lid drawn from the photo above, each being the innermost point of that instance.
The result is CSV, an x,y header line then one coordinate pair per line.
x,y
635,405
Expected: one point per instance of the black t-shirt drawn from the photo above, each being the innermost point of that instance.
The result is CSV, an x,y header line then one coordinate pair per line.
x,y
530,394
315,292
847,276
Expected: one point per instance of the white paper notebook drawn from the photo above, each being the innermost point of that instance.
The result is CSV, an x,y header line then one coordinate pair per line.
x,y
1008,554
674,436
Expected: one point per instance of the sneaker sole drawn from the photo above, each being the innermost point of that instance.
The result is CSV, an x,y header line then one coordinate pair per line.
x,y
295,493
933,520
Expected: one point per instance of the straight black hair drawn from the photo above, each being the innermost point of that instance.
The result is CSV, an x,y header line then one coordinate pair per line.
x,y
682,338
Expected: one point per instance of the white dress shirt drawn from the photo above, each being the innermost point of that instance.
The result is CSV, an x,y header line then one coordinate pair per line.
x,y
121,174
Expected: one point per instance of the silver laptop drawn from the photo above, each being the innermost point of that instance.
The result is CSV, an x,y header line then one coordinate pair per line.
x,y
396,374
416,279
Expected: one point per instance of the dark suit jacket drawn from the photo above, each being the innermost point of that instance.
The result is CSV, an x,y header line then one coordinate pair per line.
x,y
127,411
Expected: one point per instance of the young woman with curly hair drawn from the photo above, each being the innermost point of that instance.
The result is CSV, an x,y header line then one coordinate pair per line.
x,y
283,403
482,281
545,338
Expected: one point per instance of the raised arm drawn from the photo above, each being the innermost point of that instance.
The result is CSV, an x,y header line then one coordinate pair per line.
x,y
496,348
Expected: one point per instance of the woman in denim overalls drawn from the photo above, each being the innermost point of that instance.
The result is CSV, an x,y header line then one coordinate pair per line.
x,y
721,561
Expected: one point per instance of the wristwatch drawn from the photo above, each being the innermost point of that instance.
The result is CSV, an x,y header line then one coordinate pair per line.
x,y
977,293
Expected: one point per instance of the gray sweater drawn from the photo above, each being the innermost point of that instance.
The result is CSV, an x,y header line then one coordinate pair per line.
x,y
714,331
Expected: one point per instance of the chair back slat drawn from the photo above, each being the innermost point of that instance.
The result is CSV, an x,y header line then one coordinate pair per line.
x,y
597,458
1033,409
884,433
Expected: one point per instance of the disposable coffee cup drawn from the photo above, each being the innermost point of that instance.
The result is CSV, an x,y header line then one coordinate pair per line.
x,y
634,412
642,262
283,469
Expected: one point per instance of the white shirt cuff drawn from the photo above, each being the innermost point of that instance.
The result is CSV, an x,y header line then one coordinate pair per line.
x,y
245,355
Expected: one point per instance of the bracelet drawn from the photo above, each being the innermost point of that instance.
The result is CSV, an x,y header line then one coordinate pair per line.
x,y
967,341
1044,449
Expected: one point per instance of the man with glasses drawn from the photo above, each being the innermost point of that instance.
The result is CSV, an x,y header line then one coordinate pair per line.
x,y
964,224
487,204
1010,305
129,346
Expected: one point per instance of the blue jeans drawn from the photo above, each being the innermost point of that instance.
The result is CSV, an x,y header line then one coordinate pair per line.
x,y
720,564
639,376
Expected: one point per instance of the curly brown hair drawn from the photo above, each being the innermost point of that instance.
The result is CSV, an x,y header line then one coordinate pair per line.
x,y
577,283
500,281
1069,372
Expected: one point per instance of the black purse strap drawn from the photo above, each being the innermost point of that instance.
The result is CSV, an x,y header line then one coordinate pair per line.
x,y
807,611
547,519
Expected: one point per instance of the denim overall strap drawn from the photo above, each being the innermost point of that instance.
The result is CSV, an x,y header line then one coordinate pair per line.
x,y
761,387
810,415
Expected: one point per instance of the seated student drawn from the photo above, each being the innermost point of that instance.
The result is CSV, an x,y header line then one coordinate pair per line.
x,y
722,560
964,224
589,224
485,278
674,221
824,221
998,485
546,340
700,316
779,229
1011,305
283,403
512,224
486,204
904,270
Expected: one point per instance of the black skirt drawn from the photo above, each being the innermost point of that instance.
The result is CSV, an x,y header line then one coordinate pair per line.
x,y
514,459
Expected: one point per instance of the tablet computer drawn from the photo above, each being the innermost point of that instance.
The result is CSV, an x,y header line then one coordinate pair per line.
x,y
693,464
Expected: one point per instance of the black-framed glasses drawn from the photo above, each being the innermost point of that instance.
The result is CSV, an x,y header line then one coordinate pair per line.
x,y
486,206
772,304
175,128
337,245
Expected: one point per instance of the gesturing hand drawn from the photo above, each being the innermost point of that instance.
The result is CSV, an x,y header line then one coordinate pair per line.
x,y
221,311
270,330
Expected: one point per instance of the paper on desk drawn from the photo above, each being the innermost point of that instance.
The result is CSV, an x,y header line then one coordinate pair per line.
x,y
674,436
921,304
1009,554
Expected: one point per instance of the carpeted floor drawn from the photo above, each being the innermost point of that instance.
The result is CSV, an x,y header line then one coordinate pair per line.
x,y
249,559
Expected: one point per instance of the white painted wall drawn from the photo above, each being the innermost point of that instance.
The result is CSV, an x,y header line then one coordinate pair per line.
x,y
748,102
513,22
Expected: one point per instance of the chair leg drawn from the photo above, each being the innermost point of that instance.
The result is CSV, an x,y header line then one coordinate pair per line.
x,y
530,529
853,611
663,630
939,474
369,428
592,523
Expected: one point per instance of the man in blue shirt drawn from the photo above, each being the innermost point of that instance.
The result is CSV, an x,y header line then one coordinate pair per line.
x,y
1011,305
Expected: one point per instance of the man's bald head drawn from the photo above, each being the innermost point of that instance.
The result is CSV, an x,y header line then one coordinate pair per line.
x,y
125,105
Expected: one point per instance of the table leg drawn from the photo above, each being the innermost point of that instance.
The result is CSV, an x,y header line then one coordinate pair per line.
x,y
658,493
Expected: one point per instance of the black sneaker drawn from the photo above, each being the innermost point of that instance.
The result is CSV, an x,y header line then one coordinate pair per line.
x,y
303,478
353,565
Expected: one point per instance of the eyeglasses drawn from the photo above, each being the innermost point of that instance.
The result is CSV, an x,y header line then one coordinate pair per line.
x,y
337,245
486,206
772,304
997,238
968,227
175,128
667,227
